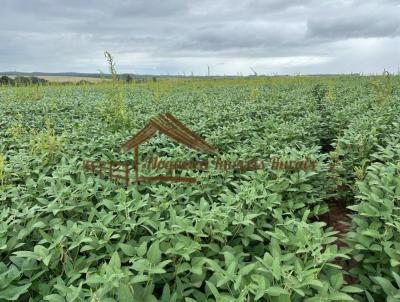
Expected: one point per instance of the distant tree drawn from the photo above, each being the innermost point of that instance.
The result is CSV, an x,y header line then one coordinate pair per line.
x,y
4,80
83,82
154,79
20,80
129,78
35,80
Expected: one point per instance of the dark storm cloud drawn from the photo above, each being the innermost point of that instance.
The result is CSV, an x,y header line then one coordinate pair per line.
x,y
244,34
353,28
142,9
170,36
365,22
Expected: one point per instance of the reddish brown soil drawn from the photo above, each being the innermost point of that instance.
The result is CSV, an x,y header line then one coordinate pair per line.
x,y
338,219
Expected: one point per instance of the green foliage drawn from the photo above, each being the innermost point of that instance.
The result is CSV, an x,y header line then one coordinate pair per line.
x,y
319,91
66,235
114,111
382,88
2,169
362,138
46,143
22,81
375,235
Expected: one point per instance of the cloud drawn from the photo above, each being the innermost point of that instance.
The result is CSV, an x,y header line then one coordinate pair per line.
x,y
366,21
176,36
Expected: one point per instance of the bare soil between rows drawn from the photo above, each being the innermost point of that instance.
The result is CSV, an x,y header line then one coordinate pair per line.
x,y
338,218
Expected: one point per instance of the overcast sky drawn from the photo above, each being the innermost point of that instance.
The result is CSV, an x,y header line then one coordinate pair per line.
x,y
185,36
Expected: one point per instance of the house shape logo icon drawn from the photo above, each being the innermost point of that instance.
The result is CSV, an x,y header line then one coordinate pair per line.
x,y
169,125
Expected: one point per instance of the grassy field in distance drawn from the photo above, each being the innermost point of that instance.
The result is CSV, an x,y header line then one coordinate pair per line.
x,y
60,79
70,79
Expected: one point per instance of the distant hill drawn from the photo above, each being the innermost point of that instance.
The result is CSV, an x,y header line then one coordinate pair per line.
x,y
56,74
76,76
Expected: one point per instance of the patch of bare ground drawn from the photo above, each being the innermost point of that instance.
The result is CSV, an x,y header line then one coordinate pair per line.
x,y
338,218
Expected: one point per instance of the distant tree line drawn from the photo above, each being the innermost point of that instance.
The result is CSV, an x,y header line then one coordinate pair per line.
x,y
129,79
20,80
29,80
